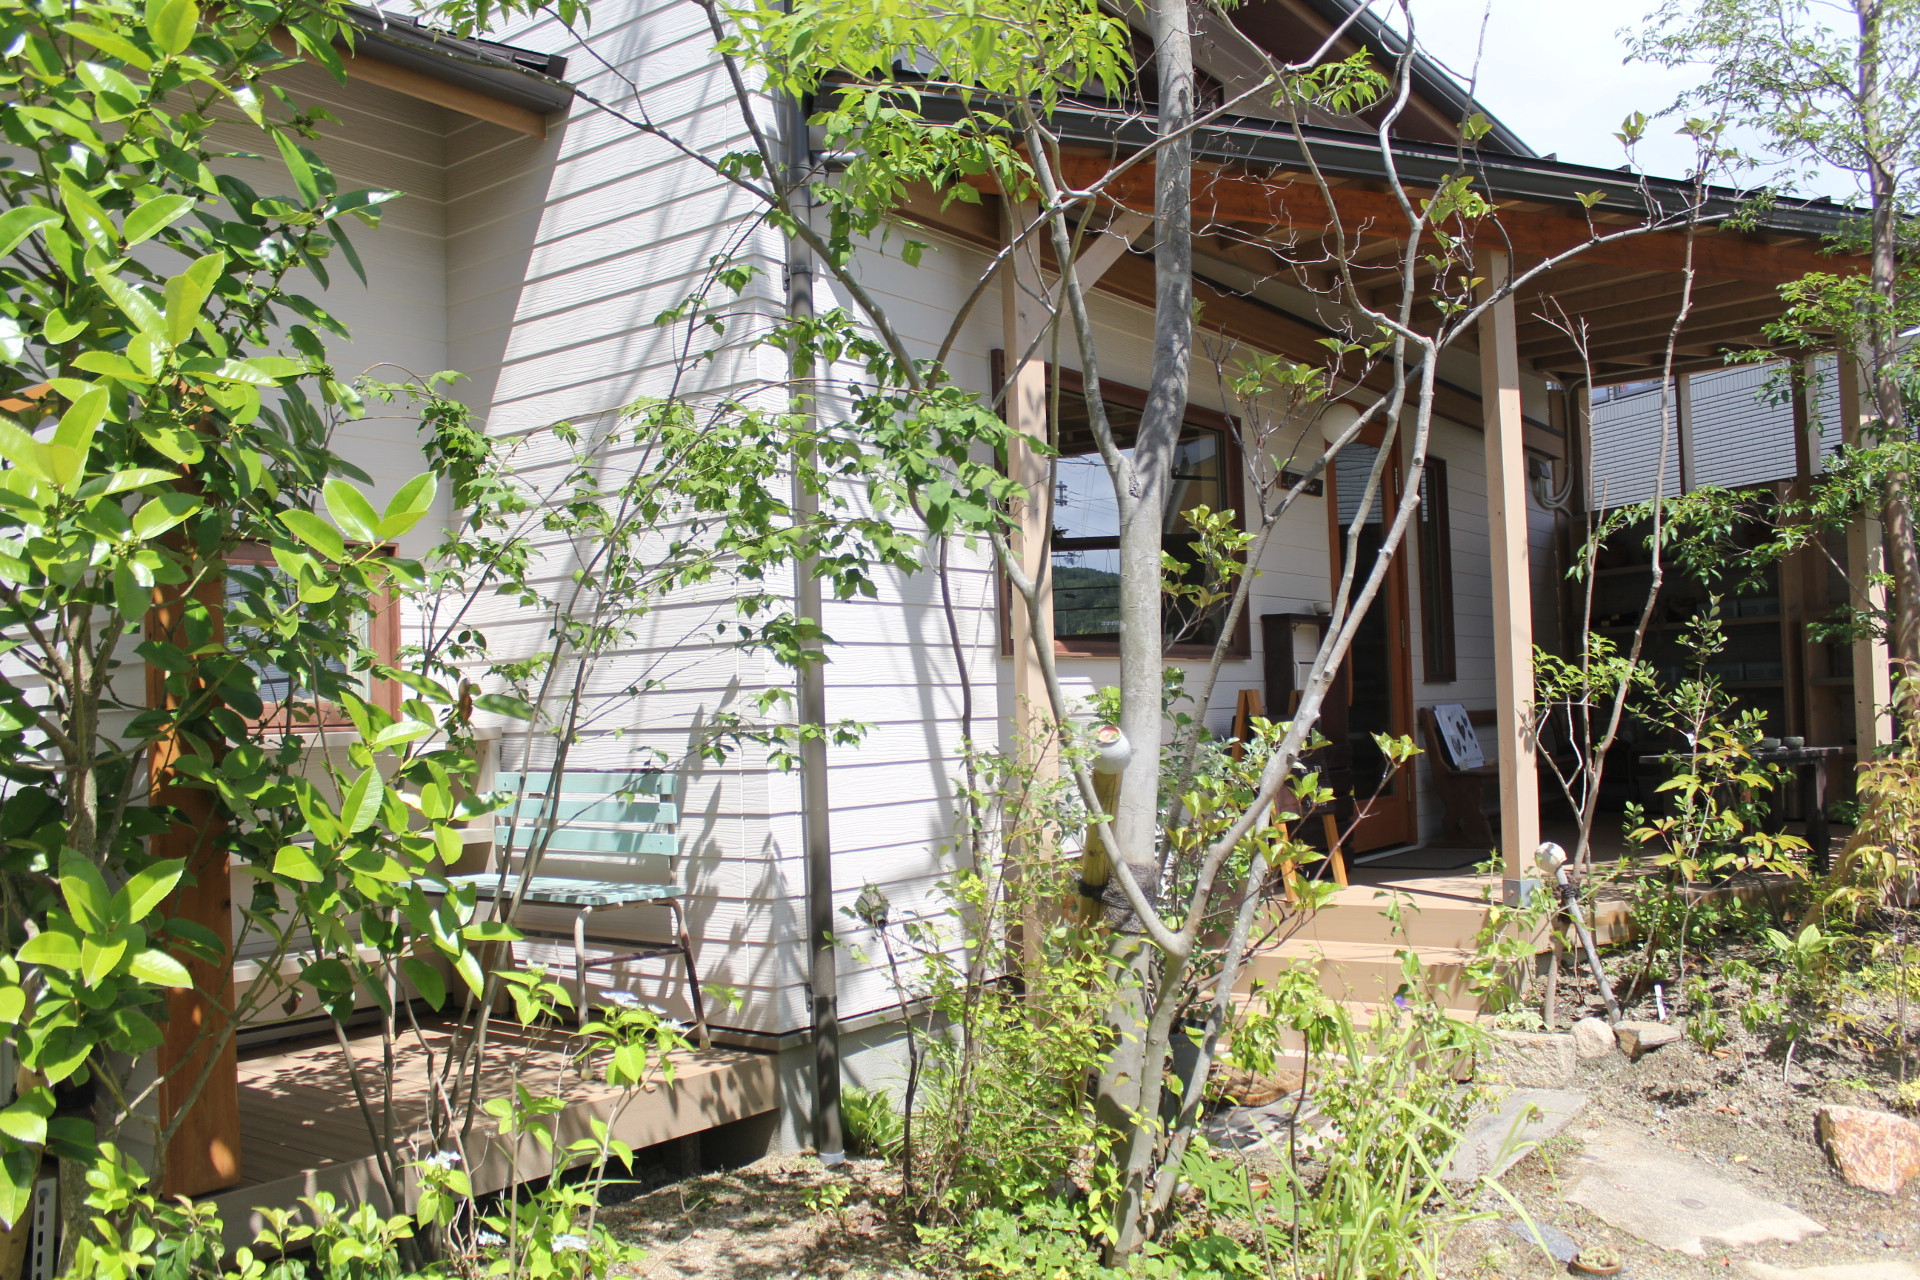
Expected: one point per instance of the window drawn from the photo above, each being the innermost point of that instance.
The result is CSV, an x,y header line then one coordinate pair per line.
x,y
288,695
1086,519
1436,575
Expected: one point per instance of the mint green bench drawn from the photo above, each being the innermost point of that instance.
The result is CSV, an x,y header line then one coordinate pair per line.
x,y
596,815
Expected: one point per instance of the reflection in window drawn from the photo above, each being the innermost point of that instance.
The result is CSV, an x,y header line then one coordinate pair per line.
x,y
1086,522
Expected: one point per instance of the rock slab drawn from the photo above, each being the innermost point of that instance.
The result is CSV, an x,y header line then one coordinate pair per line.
x,y
1592,1038
1637,1038
1527,1060
1544,1235
1673,1201
1876,1150
1498,1140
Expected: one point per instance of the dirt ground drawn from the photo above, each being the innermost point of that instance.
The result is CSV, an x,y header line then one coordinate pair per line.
x,y
1730,1114
775,1219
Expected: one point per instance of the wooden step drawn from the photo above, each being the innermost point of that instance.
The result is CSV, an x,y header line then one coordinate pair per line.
x,y
1357,914
1367,972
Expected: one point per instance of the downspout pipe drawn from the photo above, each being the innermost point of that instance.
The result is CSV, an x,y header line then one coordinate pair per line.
x,y
811,695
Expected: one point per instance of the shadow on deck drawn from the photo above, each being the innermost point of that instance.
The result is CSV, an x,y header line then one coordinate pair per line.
x,y
302,1129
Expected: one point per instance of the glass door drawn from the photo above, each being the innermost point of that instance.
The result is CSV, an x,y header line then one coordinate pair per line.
x,y
1378,675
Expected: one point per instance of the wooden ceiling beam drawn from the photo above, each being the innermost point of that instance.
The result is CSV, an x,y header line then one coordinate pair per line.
x,y
1221,193
1707,305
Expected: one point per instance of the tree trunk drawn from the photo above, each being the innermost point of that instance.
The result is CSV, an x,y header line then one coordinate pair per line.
x,y
1142,490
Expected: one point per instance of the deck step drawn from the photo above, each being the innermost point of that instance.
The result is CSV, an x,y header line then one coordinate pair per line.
x,y
1367,972
1358,914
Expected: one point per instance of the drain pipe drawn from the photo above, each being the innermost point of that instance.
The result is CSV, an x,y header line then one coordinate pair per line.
x,y
816,834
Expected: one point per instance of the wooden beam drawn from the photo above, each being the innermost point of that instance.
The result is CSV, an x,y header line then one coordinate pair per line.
x,y
1707,304
1025,317
414,84
1221,193
1512,582
1131,277
1866,560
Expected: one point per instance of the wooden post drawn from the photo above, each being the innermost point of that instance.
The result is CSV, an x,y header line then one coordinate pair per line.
x,y
1683,431
1512,583
1866,557
1025,410
205,1152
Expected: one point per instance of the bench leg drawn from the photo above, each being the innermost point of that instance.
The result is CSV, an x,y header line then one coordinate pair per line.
x,y
580,962
694,995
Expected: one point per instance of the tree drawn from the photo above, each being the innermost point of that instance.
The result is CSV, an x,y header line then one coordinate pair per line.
x,y
1834,87
962,110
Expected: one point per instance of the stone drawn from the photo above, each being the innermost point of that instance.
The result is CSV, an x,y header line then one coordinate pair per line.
x,y
1498,1140
1527,1060
1248,1090
1674,1201
1844,1271
1544,1235
1637,1038
1592,1038
1876,1150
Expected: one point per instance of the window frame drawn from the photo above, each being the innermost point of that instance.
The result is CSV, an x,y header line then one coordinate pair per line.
x,y
1439,658
383,637
1233,467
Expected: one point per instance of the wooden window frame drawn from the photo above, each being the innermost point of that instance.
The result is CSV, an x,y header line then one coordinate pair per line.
x,y
1233,465
1438,651
383,637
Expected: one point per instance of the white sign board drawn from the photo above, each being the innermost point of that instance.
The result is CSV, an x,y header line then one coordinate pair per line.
x,y
1457,735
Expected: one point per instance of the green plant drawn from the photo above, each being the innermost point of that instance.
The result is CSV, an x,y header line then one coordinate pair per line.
x,y
871,1124
1704,1025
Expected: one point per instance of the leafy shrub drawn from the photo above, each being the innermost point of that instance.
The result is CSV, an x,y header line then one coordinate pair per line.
x,y
869,1122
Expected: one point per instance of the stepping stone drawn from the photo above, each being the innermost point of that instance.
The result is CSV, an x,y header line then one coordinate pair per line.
x,y
1637,1038
1252,1128
1498,1140
1846,1271
1544,1235
1673,1201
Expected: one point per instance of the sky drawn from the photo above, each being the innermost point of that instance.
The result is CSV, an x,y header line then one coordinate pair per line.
x,y
1552,71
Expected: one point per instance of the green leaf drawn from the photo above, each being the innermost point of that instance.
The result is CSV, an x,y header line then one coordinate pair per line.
x,y
501,704
101,955
133,303
161,513
85,890
73,438
409,506
154,216
361,805
298,167
351,511
17,224
88,217
111,43
296,863
26,1119
187,293
160,969
468,967
146,890
426,980
52,948
131,597
172,23
316,533
125,482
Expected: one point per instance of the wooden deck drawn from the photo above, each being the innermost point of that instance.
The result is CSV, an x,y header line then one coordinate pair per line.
x,y
302,1130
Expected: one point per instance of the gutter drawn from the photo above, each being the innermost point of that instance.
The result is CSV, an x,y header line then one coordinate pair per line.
x,y
523,78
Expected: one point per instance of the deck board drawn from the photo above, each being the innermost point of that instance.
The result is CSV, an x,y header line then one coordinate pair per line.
x,y
302,1130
